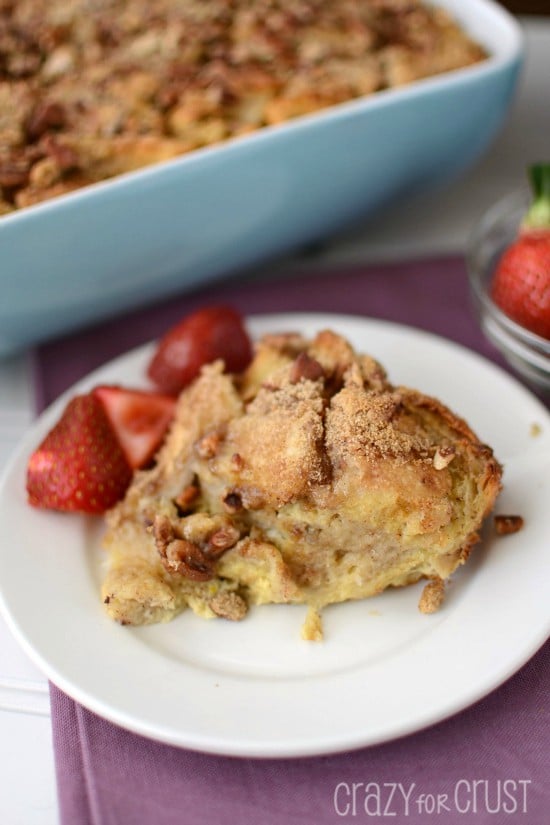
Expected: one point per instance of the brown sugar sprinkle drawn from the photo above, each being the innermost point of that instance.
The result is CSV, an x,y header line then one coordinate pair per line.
x,y
505,525
126,83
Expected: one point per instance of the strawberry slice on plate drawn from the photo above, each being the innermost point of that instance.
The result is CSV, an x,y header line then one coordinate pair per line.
x,y
80,465
521,283
139,420
215,332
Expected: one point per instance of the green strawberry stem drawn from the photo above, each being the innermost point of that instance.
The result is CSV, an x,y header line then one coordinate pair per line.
x,y
538,215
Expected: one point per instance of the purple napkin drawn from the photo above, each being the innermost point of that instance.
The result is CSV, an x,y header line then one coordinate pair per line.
x,y
488,764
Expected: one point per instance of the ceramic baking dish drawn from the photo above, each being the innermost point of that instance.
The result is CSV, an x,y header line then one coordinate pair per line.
x,y
176,225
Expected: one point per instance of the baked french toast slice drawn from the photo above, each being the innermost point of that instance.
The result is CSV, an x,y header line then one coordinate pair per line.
x,y
309,478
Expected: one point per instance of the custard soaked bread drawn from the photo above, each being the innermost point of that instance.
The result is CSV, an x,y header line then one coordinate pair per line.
x,y
307,479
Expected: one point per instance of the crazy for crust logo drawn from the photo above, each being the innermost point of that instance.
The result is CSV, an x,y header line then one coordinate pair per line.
x,y
466,796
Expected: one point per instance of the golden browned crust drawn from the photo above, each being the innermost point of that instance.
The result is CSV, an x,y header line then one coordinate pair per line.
x,y
314,480
91,90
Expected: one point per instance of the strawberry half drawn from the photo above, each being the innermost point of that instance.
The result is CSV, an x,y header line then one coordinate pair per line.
x,y
79,466
139,419
521,283
204,336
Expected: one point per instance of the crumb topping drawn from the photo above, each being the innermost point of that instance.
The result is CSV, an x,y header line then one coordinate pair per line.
x,y
432,596
228,605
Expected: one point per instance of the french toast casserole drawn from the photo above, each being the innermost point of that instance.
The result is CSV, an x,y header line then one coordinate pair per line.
x,y
90,89
308,478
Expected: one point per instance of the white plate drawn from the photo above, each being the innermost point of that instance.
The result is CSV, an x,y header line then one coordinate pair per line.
x,y
255,688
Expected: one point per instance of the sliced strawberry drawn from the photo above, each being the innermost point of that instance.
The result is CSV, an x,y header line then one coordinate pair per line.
x,y
80,465
139,419
204,336
521,283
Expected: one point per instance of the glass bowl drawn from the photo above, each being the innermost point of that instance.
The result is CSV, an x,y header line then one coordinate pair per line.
x,y
527,353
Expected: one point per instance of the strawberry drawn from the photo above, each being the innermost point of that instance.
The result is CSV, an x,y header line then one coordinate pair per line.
x,y
521,283
138,418
198,339
79,466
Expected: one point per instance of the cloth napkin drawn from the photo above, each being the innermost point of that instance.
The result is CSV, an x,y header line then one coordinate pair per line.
x,y
489,763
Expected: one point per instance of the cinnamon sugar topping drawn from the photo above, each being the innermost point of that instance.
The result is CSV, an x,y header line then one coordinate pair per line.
x,y
371,423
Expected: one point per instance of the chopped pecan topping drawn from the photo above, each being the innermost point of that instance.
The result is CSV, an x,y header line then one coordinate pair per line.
x,y
179,555
195,559
64,156
19,66
305,367
505,525
222,540
45,116
208,445
443,457
13,173
187,497
237,461
45,172
184,557
232,501
163,532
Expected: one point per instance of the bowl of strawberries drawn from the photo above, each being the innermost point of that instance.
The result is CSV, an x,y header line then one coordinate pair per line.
x,y
509,269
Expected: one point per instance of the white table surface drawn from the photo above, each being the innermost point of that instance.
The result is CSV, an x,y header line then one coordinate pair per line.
x,y
436,223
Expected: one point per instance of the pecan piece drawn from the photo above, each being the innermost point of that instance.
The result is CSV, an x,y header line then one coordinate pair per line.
x,y
163,533
208,445
305,367
65,158
505,525
185,558
187,497
13,173
232,501
223,539
23,65
237,461
46,115
178,555
443,457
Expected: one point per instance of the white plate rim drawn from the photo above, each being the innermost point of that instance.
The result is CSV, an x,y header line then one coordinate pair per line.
x,y
314,741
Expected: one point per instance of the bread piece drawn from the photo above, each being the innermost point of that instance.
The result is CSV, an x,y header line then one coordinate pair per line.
x,y
309,479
